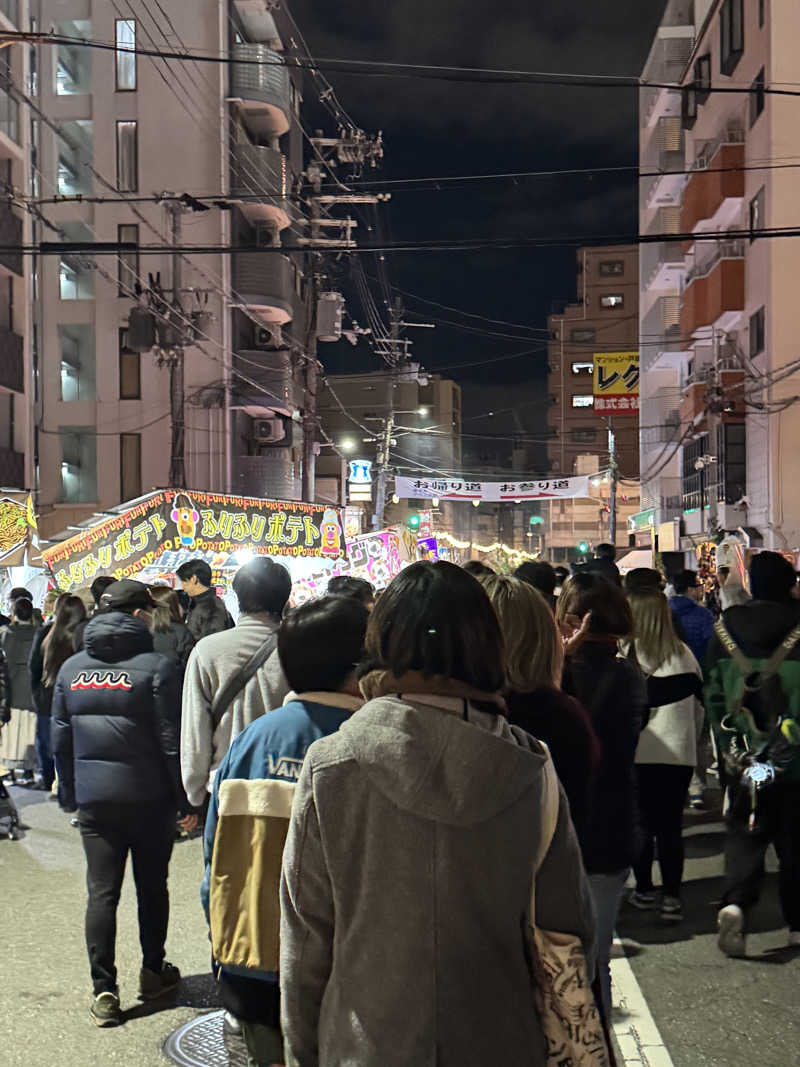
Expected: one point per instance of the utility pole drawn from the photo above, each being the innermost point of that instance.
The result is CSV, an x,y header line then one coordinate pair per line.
x,y
613,474
715,405
177,465
396,312
311,377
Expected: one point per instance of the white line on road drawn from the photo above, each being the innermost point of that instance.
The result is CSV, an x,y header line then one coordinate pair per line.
x,y
634,1028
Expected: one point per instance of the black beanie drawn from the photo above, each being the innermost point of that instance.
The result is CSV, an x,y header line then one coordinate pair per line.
x,y
772,577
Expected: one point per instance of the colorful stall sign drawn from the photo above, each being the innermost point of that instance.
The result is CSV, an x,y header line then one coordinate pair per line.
x,y
428,549
161,531
376,557
18,533
616,383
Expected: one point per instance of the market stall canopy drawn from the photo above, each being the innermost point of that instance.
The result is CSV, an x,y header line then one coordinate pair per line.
x,y
19,542
154,535
639,557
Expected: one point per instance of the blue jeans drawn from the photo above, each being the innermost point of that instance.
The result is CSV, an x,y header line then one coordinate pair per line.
x,y
44,752
607,890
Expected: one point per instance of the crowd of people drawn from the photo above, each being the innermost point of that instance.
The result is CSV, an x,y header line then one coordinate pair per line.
x,y
469,763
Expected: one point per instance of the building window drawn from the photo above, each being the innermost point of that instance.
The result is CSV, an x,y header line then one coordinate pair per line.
x,y
127,262
73,62
612,300
583,400
583,434
757,332
611,268
130,465
756,213
77,375
125,58
127,157
689,106
731,35
582,335
761,6
78,464
582,368
130,379
757,96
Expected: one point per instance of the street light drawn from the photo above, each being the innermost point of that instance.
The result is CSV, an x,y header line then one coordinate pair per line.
x,y
347,444
423,411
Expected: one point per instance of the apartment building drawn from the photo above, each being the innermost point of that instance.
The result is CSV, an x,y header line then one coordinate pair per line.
x,y
732,350
16,423
118,131
603,319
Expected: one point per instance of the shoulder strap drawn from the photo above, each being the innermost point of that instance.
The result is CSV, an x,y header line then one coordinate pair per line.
x,y
550,805
781,652
238,680
743,663
733,650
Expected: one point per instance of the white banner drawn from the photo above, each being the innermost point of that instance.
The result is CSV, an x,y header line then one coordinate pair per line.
x,y
453,489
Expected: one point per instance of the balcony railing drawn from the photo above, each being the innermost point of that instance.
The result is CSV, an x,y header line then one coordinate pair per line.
x,y
11,365
9,116
274,386
264,281
732,134
255,168
708,255
261,78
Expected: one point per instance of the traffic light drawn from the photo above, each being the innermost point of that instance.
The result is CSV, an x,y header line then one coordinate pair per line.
x,y
413,521
583,547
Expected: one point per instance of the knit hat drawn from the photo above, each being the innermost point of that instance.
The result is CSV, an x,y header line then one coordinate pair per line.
x,y
772,577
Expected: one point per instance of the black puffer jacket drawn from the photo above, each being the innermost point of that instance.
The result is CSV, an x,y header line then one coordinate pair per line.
x,y
115,719
207,615
176,644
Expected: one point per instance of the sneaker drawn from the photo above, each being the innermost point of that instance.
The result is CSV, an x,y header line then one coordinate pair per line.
x,y
671,909
231,1025
696,803
643,901
105,1010
152,985
794,939
730,923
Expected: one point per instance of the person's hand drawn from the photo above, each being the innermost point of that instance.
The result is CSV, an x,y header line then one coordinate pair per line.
x,y
574,632
188,823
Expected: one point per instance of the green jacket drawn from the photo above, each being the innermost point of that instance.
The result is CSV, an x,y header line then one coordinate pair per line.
x,y
757,627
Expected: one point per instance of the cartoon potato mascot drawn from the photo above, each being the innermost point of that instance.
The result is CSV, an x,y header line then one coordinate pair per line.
x,y
331,534
186,517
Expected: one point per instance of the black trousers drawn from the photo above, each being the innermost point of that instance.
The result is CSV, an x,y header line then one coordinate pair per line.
x,y
109,834
778,823
662,792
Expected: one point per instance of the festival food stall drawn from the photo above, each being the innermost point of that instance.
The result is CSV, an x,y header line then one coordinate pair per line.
x,y
20,559
149,538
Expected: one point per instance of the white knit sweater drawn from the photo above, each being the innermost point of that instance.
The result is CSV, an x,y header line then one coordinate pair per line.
x,y
672,731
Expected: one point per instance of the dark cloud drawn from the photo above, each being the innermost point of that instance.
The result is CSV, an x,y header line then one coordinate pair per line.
x,y
439,128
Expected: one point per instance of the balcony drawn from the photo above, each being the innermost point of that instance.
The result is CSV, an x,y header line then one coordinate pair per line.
x,y
12,469
273,389
662,265
257,169
714,293
261,81
695,399
715,190
264,282
9,127
9,9
274,475
12,374
10,234
661,333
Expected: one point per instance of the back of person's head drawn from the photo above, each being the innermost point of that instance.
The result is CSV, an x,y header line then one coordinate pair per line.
x,y
88,599
195,568
57,646
772,577
436,619
605,551
643,578
320,643
99,586
589,591
166,608
127,595
561,574
262,586
19,592
533,650
356,588
683,581
22,609
476,568
653,633
539,574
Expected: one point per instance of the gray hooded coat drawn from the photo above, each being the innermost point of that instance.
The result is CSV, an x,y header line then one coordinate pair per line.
x,y
406,883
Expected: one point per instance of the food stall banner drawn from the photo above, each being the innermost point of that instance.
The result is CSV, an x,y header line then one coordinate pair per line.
x,y
455,489
18,533
166,528
376,557
616,383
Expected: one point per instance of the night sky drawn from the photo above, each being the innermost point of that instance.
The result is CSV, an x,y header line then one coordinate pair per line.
x,y
434,128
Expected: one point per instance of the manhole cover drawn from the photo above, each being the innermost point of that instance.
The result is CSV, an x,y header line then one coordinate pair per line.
x,y
204,1042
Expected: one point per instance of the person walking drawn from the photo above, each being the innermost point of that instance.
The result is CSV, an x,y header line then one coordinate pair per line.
x,y
171,636
233,677
96,589
752,689
19,592
357,588
534,661
115,712
207,613
697,622
603,563
594,616
319,644
20,745
52,645
422,818
667,751
541,576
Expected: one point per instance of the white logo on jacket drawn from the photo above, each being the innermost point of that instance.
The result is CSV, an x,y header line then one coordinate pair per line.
x,y
284,767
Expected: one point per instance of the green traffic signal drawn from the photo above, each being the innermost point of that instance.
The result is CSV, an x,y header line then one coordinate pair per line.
x,y
413,521
583,547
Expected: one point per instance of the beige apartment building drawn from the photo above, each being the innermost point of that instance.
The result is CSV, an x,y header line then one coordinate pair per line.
x,y
604,318
718,315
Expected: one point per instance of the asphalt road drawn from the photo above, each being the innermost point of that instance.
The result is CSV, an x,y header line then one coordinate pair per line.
x,y
710,1011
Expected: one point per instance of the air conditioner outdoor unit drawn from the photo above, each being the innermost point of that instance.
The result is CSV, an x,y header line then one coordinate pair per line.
x,y
268,431
269,337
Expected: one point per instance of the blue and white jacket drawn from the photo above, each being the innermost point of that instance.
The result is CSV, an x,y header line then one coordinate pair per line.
x,y
248,818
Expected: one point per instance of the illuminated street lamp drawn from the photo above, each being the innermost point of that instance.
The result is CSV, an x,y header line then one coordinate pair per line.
x,y
347,444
